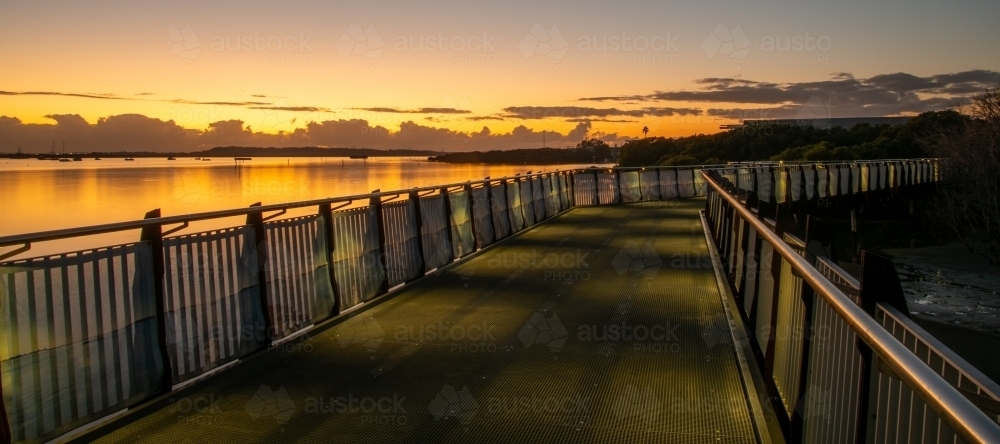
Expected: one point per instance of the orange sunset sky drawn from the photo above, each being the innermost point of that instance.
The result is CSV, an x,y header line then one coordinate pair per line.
x,y
178,76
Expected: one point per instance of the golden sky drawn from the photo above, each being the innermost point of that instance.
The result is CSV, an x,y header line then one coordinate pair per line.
x,y
676,68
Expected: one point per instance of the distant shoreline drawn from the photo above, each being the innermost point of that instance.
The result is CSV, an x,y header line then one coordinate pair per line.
x,y
236,151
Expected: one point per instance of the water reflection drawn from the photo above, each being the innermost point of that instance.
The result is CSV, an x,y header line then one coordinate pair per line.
x,y
44,195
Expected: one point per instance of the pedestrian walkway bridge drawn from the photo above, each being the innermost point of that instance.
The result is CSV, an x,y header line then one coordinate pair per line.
x,y
526,309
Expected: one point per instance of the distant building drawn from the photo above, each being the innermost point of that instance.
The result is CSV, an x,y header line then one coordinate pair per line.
x,y
616,152
823,123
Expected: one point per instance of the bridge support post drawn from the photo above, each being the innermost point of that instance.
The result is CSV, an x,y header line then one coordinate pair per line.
x,y
154,235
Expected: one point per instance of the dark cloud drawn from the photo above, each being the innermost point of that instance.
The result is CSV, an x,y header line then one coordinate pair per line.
x,y
582,112
293,108
195,102
51,93
479,118
133,132
599,120
846,96
415,111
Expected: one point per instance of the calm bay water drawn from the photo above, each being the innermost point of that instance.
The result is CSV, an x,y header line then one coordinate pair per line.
x,y
45,195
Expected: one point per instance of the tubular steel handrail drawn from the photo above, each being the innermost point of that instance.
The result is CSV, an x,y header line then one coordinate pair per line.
x,y
961,414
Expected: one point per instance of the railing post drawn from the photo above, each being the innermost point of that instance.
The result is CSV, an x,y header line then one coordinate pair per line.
x,y
375,202
597,190
154,235
571,187
472,216
818,243
489,203
879,283
447,221
419,222
256,220
327,212
524,213
772,329
618,183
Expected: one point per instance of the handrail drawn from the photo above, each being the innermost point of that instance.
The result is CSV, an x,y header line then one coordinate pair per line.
x,y
961,414
20,239
25,238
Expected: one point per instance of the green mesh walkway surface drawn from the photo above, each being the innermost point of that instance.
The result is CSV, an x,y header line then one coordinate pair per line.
x,y
603,325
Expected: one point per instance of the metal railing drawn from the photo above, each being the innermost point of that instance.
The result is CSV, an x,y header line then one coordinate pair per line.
x,y
90,333
840,362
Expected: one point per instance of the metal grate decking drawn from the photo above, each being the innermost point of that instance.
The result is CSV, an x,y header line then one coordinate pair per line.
x,y
548,368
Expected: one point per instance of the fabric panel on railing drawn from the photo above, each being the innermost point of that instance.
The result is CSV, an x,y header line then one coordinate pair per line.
x,y
795,182
483,223
744,181
538,199
780,185
299,292
822,176
501,219
865,177
528,204
357,265
548,197
515,211
402,258
700,186
809,175
78,338
855,179
649,182
668,184
845,180
629,186
463,241
584,189
685,183
764,191
607,188
883,173
434,232
212,300
834,180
